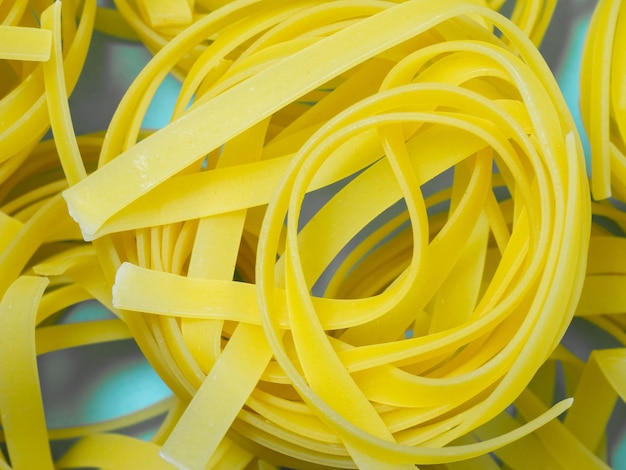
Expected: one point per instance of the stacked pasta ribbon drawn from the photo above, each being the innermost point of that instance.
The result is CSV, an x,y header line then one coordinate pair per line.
x,y
357,244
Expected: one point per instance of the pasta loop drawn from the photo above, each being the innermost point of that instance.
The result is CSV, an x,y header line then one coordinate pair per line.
x,y
364,239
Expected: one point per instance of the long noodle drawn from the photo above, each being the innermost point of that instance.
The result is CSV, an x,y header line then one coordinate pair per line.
x,y
364,240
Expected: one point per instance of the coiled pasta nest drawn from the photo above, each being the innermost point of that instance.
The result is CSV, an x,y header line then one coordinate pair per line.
x,y
358,242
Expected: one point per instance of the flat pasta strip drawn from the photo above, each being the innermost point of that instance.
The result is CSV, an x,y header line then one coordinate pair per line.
x,y
601,93
20,396
359,242
395,132
113,451
20,43
58,106
31,249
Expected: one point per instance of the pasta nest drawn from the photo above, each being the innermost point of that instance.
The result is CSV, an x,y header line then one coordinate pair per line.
x,y
363,232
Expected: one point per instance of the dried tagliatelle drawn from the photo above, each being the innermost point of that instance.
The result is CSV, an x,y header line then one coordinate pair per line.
x,y
591,359
156,22
358,243
598,384
288,263
23,47
47,272
603,98
47,268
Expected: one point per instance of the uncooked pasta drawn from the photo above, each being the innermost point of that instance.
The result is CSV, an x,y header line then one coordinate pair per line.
x,y
362,240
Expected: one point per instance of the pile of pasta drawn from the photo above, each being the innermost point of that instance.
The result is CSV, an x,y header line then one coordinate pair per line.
x,y
358,243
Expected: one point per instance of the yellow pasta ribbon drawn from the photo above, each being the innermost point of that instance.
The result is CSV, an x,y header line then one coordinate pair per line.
x,y
20,397
601,96
21,43
358,243
463,99
113,451
75,276
166,13
26,102
56,93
